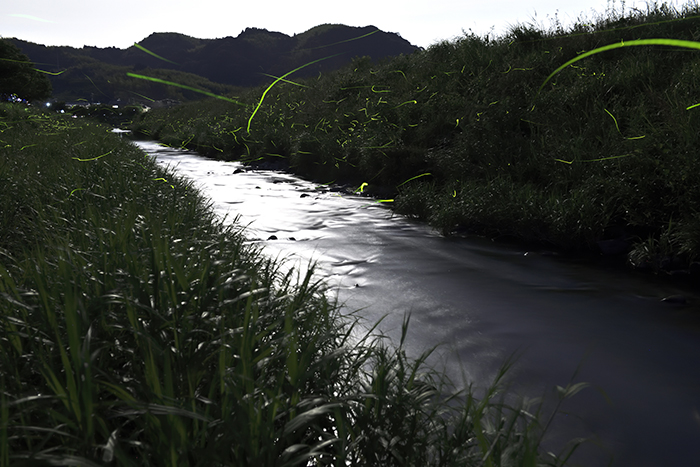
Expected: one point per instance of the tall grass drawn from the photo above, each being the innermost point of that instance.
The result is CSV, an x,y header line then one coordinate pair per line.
x,y
136,328
491,139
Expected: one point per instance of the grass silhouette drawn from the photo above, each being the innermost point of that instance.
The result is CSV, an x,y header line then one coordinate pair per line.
x,y
137,328
564,136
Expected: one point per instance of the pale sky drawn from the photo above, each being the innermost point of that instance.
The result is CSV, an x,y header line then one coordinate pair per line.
x,y
121,23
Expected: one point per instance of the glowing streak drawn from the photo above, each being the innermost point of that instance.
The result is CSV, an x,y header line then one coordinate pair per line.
x,y
593,160
141,95
373,90
618,128
27,146
692,106
276,81
77,189
635,43
49,72
361,189
32,63
164,181
152,53
346,40
285,80
94,158
93,83
189,88
33,18
413,178
184,143
383,146
407,102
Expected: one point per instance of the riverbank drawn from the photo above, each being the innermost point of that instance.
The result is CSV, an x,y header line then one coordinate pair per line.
x,y
483,301
600,160
138,329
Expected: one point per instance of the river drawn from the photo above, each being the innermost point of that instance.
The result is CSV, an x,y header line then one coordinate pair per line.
x,y
484,302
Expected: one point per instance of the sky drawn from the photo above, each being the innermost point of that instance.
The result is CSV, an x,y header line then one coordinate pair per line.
x,y
119,24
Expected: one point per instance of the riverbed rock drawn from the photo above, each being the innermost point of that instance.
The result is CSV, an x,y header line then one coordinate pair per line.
x,y
675,300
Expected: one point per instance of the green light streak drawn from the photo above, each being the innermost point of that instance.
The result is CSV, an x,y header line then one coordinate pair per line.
x,y
93,83
619,45
189,88
33,18
285,80
50,72
346,40
93,158
618,128
140,47
413,178
32,63
404,103
141,95
594,160
161,179
278,80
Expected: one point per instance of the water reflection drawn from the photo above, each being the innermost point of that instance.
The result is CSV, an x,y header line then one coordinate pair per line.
x,y
484,302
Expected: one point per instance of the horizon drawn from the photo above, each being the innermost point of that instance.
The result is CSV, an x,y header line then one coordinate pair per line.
x,y
205,38
78,23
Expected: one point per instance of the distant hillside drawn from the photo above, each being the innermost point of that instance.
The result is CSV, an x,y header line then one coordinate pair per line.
x,y
216,65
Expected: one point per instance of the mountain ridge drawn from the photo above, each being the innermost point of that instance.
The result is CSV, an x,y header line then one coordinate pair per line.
x,y
227,63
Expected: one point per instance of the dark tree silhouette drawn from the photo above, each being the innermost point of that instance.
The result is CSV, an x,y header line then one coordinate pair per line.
x,y
18,75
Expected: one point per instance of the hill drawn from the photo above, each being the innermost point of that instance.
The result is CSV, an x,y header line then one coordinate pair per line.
x,y
477,136
215,65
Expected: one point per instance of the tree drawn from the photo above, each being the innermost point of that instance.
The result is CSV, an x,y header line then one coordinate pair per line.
x,y
18,75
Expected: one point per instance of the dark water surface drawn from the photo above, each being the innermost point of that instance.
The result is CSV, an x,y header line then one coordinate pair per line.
x,y
485,301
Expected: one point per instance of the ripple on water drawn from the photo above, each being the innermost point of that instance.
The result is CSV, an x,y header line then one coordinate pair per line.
x,y
485,302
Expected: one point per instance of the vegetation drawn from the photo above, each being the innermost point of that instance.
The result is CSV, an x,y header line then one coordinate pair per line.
x,y
115,116
464,136
18,76
136,328
215,65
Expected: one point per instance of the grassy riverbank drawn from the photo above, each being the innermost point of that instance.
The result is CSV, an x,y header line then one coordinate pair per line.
x,y
461,136
137,329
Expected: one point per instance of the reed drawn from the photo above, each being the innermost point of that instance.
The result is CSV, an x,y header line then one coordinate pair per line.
x,y
137,328
565,136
